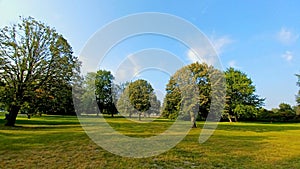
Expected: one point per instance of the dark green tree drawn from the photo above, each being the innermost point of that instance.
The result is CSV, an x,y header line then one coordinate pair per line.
x,y
140,92
286,112
104,92
33,57
171,105
241,100
298,96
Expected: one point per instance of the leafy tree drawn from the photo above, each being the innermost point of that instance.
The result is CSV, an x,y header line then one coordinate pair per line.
x,y
87,103
172,99
241,102
140,92
155,105
34,57
124,105
286,112
104,92
182,99
298,96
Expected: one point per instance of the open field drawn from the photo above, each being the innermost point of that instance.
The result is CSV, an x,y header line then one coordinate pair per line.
x,y
60,142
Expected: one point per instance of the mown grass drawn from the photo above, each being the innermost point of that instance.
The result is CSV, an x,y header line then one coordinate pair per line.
x,y
60,142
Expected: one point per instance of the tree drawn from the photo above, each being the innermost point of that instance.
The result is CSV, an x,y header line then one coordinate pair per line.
x,y
298,96
104,92
182,99
140,92
34,57
286,112
241,102
124,105
155,105
87,103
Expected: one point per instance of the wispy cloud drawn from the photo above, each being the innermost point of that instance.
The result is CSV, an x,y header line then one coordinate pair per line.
x,y
233,64
287,36
288,56
219,44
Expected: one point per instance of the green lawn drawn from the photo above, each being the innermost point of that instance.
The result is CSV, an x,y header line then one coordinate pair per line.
x,y
60,142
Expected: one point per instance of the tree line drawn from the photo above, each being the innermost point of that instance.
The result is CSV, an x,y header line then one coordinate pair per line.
x,y
38,71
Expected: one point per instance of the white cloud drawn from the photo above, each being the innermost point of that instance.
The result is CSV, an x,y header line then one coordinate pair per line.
x,y
286,36
206,52
233,64
220,43
288,56
192,56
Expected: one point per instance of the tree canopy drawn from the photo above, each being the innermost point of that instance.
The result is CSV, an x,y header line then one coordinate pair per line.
x,y
35,62
140,93
241,100
189,92
104,92
298,96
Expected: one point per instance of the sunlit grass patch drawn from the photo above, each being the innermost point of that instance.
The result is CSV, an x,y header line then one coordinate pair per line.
x,y
60,142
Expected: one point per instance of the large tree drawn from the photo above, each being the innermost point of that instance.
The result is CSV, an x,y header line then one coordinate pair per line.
x,y
104,92
241,100
140,92
181,98
34,57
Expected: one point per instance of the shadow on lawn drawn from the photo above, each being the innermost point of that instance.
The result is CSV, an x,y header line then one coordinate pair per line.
x,y
44,122
258,127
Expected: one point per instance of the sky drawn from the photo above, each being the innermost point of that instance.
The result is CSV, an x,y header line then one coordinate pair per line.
x,y
260,38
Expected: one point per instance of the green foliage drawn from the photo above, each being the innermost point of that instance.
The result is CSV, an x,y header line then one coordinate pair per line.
x,y
241,102
124,106
286,112
189,92
35,60
282,114
298,96
140,93
87,103
104,92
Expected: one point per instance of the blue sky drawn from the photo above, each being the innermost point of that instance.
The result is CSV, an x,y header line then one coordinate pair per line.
x,y
260,38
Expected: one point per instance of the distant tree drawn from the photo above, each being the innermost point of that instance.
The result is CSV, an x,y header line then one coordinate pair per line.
x,y
286,112
155,105
124,105
88,99
265,115
104,92
298,96
241,100
34,58
140,92
171,104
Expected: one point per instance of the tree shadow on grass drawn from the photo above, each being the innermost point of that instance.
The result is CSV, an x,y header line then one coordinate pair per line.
x,y
258,127
47,122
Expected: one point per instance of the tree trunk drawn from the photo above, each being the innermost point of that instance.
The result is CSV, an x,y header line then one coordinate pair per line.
x,y
229,118
193,120
235,119
139,116
13,112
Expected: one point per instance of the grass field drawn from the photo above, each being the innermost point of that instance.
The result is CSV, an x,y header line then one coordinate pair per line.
x,y
60,142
